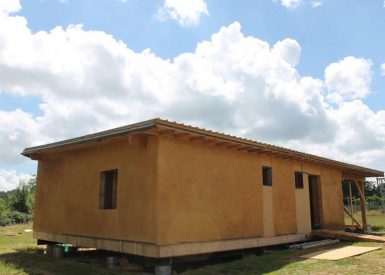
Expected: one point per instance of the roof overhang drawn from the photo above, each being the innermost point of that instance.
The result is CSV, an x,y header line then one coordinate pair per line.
x,y
163,127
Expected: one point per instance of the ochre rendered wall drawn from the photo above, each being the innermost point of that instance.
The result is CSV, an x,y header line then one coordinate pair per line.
x,y
176,191
332,204
67,197
268,206
284,197
268,212
303,207
206,192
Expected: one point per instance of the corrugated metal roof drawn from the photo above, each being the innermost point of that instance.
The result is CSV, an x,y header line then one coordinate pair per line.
x,y
161,123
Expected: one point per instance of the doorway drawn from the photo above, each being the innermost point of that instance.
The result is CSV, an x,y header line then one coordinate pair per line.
x,y
315,202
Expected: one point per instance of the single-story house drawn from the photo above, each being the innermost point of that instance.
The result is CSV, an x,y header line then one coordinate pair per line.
x,y
161,189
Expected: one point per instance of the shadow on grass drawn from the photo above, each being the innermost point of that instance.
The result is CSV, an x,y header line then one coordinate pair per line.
x,y
34,261
271,260
276,259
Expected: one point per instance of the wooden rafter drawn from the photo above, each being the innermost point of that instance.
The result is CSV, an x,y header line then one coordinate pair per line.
x,y
234,145
197,138
181,134
221,143
244,148
209,141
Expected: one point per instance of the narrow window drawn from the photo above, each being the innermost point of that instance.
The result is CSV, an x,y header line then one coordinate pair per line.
x,y
108,187
298,180
266,176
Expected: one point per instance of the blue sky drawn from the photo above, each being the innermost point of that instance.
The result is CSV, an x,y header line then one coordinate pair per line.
x,y
62,82
326,34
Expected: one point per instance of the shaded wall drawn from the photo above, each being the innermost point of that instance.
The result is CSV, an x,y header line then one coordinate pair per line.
x,y
67,197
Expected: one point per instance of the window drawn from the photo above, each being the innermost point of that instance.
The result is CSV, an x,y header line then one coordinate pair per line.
x,y
108,187
298,180
266,176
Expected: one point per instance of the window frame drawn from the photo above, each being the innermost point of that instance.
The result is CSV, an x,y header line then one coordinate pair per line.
x,y
267,179
298,180
110,202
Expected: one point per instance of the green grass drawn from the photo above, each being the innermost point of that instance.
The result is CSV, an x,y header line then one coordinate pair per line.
x,y
289,262
20,255
374,217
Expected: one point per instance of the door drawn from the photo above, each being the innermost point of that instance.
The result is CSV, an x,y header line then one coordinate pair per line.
x,y
315,202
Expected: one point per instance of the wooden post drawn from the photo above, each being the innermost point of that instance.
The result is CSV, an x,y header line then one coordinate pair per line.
x,y
354,221
350,200
361,191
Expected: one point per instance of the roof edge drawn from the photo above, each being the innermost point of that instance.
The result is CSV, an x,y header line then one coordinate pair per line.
x,y
136,127
157,122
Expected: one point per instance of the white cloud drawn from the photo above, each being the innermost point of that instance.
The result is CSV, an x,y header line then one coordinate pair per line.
x,y
383,69
186,12
316,4
288,50
293,4
9,6
11,179
89,81
348,79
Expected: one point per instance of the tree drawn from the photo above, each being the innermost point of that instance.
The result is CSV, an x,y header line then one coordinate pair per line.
x,y
24,197
17,205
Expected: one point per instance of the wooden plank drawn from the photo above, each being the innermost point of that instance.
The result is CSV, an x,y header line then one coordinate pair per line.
x,y
339,253
360,186
168,250
351,201
348,236
226,245
129,247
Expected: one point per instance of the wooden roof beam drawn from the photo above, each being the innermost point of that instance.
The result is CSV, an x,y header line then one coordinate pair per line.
x,y
181,134
197,138
234,145
244,148
221,143
162,132
166,132
209,141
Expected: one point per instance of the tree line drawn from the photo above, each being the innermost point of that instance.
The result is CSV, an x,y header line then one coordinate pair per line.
x,y
17,206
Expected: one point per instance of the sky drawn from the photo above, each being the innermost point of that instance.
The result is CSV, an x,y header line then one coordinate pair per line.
x,y
303,74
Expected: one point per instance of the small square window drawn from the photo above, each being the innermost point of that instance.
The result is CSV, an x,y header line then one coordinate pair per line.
x,y
108,187
266,176
298,180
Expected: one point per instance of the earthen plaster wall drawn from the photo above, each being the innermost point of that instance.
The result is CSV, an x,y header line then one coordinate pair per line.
x,y
67,197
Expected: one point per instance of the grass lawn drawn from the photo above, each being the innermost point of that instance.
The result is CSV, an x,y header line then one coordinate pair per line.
x,y
20,255
289,262
374,217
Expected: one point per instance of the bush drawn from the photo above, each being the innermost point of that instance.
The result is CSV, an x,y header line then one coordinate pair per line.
x,y
17,206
